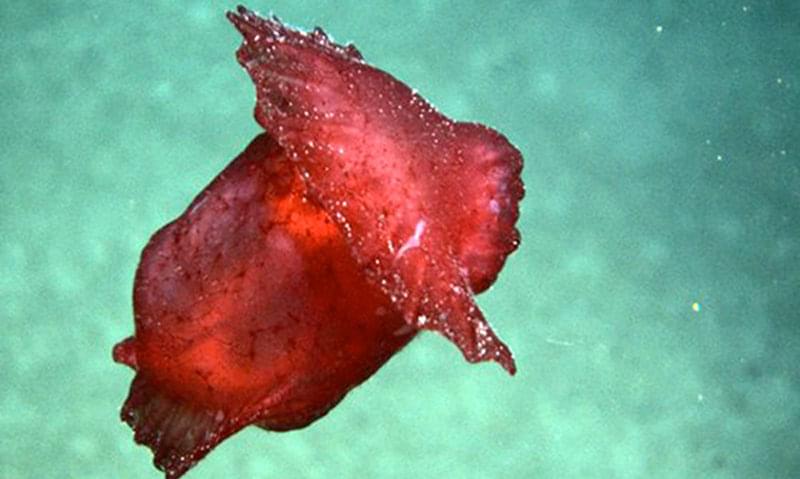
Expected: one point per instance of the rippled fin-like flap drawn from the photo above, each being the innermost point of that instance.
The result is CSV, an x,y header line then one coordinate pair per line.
x,y
178,433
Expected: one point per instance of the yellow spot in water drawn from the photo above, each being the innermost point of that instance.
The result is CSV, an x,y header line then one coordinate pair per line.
x,y
696,307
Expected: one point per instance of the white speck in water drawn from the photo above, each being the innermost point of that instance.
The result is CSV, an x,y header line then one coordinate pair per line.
x,y
659,29
559,342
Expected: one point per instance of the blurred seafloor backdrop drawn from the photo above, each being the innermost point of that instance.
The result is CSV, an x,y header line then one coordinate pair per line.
x,y
653,306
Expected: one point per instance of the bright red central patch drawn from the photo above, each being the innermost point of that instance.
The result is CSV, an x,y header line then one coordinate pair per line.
x,y
362,216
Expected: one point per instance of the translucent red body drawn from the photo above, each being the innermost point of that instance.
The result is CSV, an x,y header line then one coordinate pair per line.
x,y
362,216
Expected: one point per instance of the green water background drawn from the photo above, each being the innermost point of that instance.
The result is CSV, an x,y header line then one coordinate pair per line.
x,y
653,305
